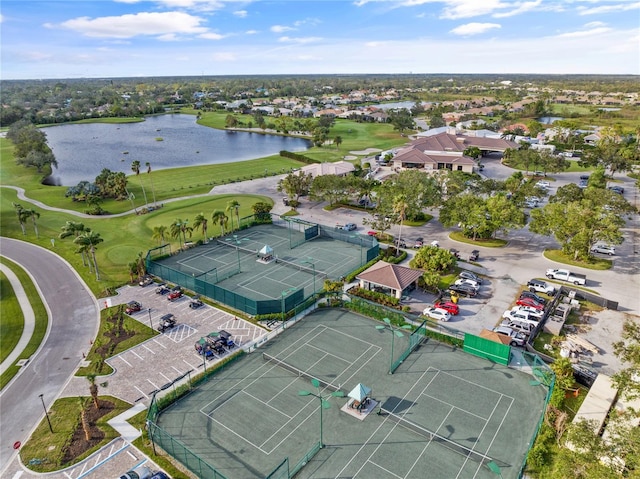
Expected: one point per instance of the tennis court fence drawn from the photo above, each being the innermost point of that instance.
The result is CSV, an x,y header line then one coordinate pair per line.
x,y
433,437
299,372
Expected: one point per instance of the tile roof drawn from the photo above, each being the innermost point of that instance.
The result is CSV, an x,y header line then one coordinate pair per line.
x,y
335,168
390,275
449,142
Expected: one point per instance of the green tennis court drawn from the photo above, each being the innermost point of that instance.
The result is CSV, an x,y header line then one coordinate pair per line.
x,y
443,413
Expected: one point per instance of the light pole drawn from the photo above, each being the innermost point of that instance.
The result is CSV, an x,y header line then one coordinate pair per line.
x,y
394,333
46,413
283,295
313,265
324,404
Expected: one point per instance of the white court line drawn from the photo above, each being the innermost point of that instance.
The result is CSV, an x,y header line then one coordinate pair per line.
x,y
455,407
497,393
266,404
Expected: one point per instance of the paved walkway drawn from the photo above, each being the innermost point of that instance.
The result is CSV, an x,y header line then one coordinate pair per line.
x,y
29,319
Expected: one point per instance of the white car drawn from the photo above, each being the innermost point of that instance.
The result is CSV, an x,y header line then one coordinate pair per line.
x,y
519,315
531,203
468,282
603,249
437,313
533,313
543,184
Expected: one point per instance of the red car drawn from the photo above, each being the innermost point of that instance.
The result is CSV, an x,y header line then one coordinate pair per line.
x,y
174,295
531,303
452,308
372,233
133,307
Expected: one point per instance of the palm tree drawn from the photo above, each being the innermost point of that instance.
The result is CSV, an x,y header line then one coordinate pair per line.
x,y
231,205
135,167
219,217
337,141
86,427
72,228
141,265
33,214
87,242
400,206
180,227
159,233
153,191
93,389
200,221
21,216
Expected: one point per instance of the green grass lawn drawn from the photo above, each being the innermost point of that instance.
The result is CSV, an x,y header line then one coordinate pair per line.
x,y
592,263
40,313
489,243
12,319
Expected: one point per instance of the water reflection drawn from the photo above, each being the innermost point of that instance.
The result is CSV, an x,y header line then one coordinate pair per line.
x,y
166,141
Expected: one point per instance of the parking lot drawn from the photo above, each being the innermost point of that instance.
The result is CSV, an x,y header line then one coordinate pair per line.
x,y
145,368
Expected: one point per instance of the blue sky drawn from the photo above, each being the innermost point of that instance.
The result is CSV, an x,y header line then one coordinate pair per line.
x,y
114,38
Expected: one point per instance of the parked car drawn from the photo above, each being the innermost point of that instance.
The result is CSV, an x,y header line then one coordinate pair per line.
x,y
566,275
539,286
159,475
539,173
455,252
617,189
603,249
531,203
584,177
133,307
167,321
530,302
419,243
475,254
519,315
400,243
140,472
536,313
543,184
162,289
469,282
437,313
464,290
534,296
285,201
174,294
195,302
516,337
449,306
350,227
372,233
146,281
469,275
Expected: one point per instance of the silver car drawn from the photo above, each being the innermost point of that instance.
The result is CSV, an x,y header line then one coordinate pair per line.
x,y
603,249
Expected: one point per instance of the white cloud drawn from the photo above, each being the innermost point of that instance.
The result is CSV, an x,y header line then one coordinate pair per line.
x,y
281,29
224,57
197,4
455,9
474,28
251,32
585,33
211,36
522,7
620,7
1,18
131,25
241,13
168,37
299,40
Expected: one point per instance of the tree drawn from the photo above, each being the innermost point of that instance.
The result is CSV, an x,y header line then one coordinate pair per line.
x,y
434,259
33,214
337,141
628,351
401,120
84,420
20,213
331,188
200,221
219,217
39,159
472,152
87,242
135,166
153,191
400,207
296,184
159,233
73,228
232,206
180,227
93,390
261,211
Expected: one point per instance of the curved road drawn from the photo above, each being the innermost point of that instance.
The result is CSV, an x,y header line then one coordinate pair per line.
x,y
73,323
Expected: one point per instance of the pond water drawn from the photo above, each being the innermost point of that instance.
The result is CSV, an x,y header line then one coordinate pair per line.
x,y
83,150
548,120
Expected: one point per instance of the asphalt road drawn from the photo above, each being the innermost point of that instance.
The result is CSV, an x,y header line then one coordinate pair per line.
x,y
74,315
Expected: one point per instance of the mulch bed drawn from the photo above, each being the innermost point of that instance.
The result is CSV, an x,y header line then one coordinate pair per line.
x,y
79,444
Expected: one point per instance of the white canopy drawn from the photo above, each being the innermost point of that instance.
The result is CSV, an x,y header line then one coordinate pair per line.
x,y
266,249
360,392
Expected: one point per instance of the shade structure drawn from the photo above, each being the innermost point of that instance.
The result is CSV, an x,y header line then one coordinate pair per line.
x,y
266,250
360,392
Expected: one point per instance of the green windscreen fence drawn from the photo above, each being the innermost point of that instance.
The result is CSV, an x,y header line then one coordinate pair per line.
x,y
485,348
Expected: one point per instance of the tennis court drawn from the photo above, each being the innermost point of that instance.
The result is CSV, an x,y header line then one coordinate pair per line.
x,y
444,413
238,262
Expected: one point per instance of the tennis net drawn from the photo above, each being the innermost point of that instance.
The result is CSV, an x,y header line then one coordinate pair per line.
x,y
234,245
298,372
302,268
432,436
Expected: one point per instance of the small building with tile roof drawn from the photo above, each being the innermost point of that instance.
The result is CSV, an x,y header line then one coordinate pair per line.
x,y
391,279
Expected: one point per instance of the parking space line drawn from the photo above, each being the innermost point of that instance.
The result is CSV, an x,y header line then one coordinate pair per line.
x,y
154,386
136,354
164,376
159,343
176,370
191,366
148,349
126,362
141,391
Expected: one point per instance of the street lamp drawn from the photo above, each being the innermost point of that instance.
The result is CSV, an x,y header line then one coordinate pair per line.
x,y
324,404
150,323
310,260
46,413
394,333
283,295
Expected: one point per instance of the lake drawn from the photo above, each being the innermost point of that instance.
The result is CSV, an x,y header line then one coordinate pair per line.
x,y
84,150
